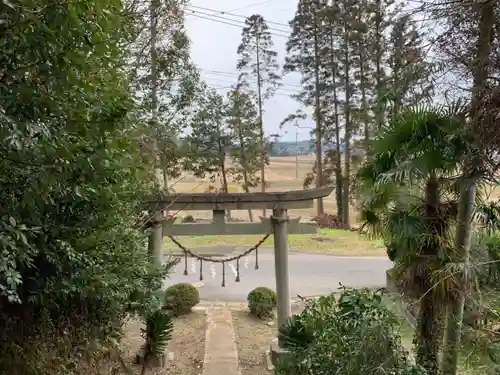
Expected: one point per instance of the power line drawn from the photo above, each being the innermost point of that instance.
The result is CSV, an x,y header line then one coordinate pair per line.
x,y
450,2
236,75
236,23
235,15
221,87
284,90
251,5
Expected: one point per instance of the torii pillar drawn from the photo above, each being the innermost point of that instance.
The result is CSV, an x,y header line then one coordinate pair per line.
x,y
278,224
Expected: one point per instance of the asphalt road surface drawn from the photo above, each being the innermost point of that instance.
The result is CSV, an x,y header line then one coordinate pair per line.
x,y
310,275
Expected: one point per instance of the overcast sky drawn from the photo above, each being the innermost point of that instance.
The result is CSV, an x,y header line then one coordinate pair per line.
x,y
214,44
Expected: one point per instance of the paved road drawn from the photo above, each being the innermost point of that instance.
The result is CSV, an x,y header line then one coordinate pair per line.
x,y
309,275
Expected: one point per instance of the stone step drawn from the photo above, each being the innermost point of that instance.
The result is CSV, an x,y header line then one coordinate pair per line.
x,y
221,355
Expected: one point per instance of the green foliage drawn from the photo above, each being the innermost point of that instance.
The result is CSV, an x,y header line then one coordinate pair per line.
x,y
261,302
209,140
488,215
177,78
293,333
180,298
352,334
157,334
259,75
485,254
413,159
72,182
244,129
392,251
257,59
409,199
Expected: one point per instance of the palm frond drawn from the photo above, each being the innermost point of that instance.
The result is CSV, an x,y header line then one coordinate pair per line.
x,y
157,334
372,223
294,334
371,170
426,138
488,215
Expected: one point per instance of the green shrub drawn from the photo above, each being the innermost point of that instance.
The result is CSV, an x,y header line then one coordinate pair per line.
x,y
180,298
294,334
261,302
351,335
74,177
157,334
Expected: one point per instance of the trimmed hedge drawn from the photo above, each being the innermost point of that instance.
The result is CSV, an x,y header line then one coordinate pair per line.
x,y
261,302
180,298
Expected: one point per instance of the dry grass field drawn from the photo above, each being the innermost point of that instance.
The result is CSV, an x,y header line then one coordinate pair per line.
x,y
280,176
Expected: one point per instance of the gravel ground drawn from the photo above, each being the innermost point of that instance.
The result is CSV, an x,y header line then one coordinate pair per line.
x,y
253,337
187,346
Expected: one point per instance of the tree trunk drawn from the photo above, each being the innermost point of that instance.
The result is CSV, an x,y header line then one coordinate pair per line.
x,y
364,104
319,130
244,164
396,80
455,309
165,186
379,107
165,179
261,125
428,335
347,137
153,10
247,190
449,361
225,188
338,161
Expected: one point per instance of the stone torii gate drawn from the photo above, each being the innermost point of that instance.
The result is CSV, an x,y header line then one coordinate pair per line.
x,y
279,225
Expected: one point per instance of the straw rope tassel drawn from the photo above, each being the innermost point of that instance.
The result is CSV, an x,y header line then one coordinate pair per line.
x,y
185,264
237,270
201,269
223,274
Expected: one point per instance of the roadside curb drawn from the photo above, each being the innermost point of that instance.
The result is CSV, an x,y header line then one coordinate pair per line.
x,y
240,305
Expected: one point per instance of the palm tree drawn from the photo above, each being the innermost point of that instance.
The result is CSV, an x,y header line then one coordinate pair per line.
x,y
408,198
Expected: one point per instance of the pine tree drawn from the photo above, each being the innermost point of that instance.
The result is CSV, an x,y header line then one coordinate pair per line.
x,y
209,140
244,131
362,69
380,21
257,65
305,50
348,22
333,104
410,81
166,74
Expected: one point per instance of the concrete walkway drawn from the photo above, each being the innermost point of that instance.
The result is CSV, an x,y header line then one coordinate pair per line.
x,y
221,355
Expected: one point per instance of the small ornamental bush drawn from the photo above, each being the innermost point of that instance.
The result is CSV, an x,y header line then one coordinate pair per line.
x,y
261,302
180,298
